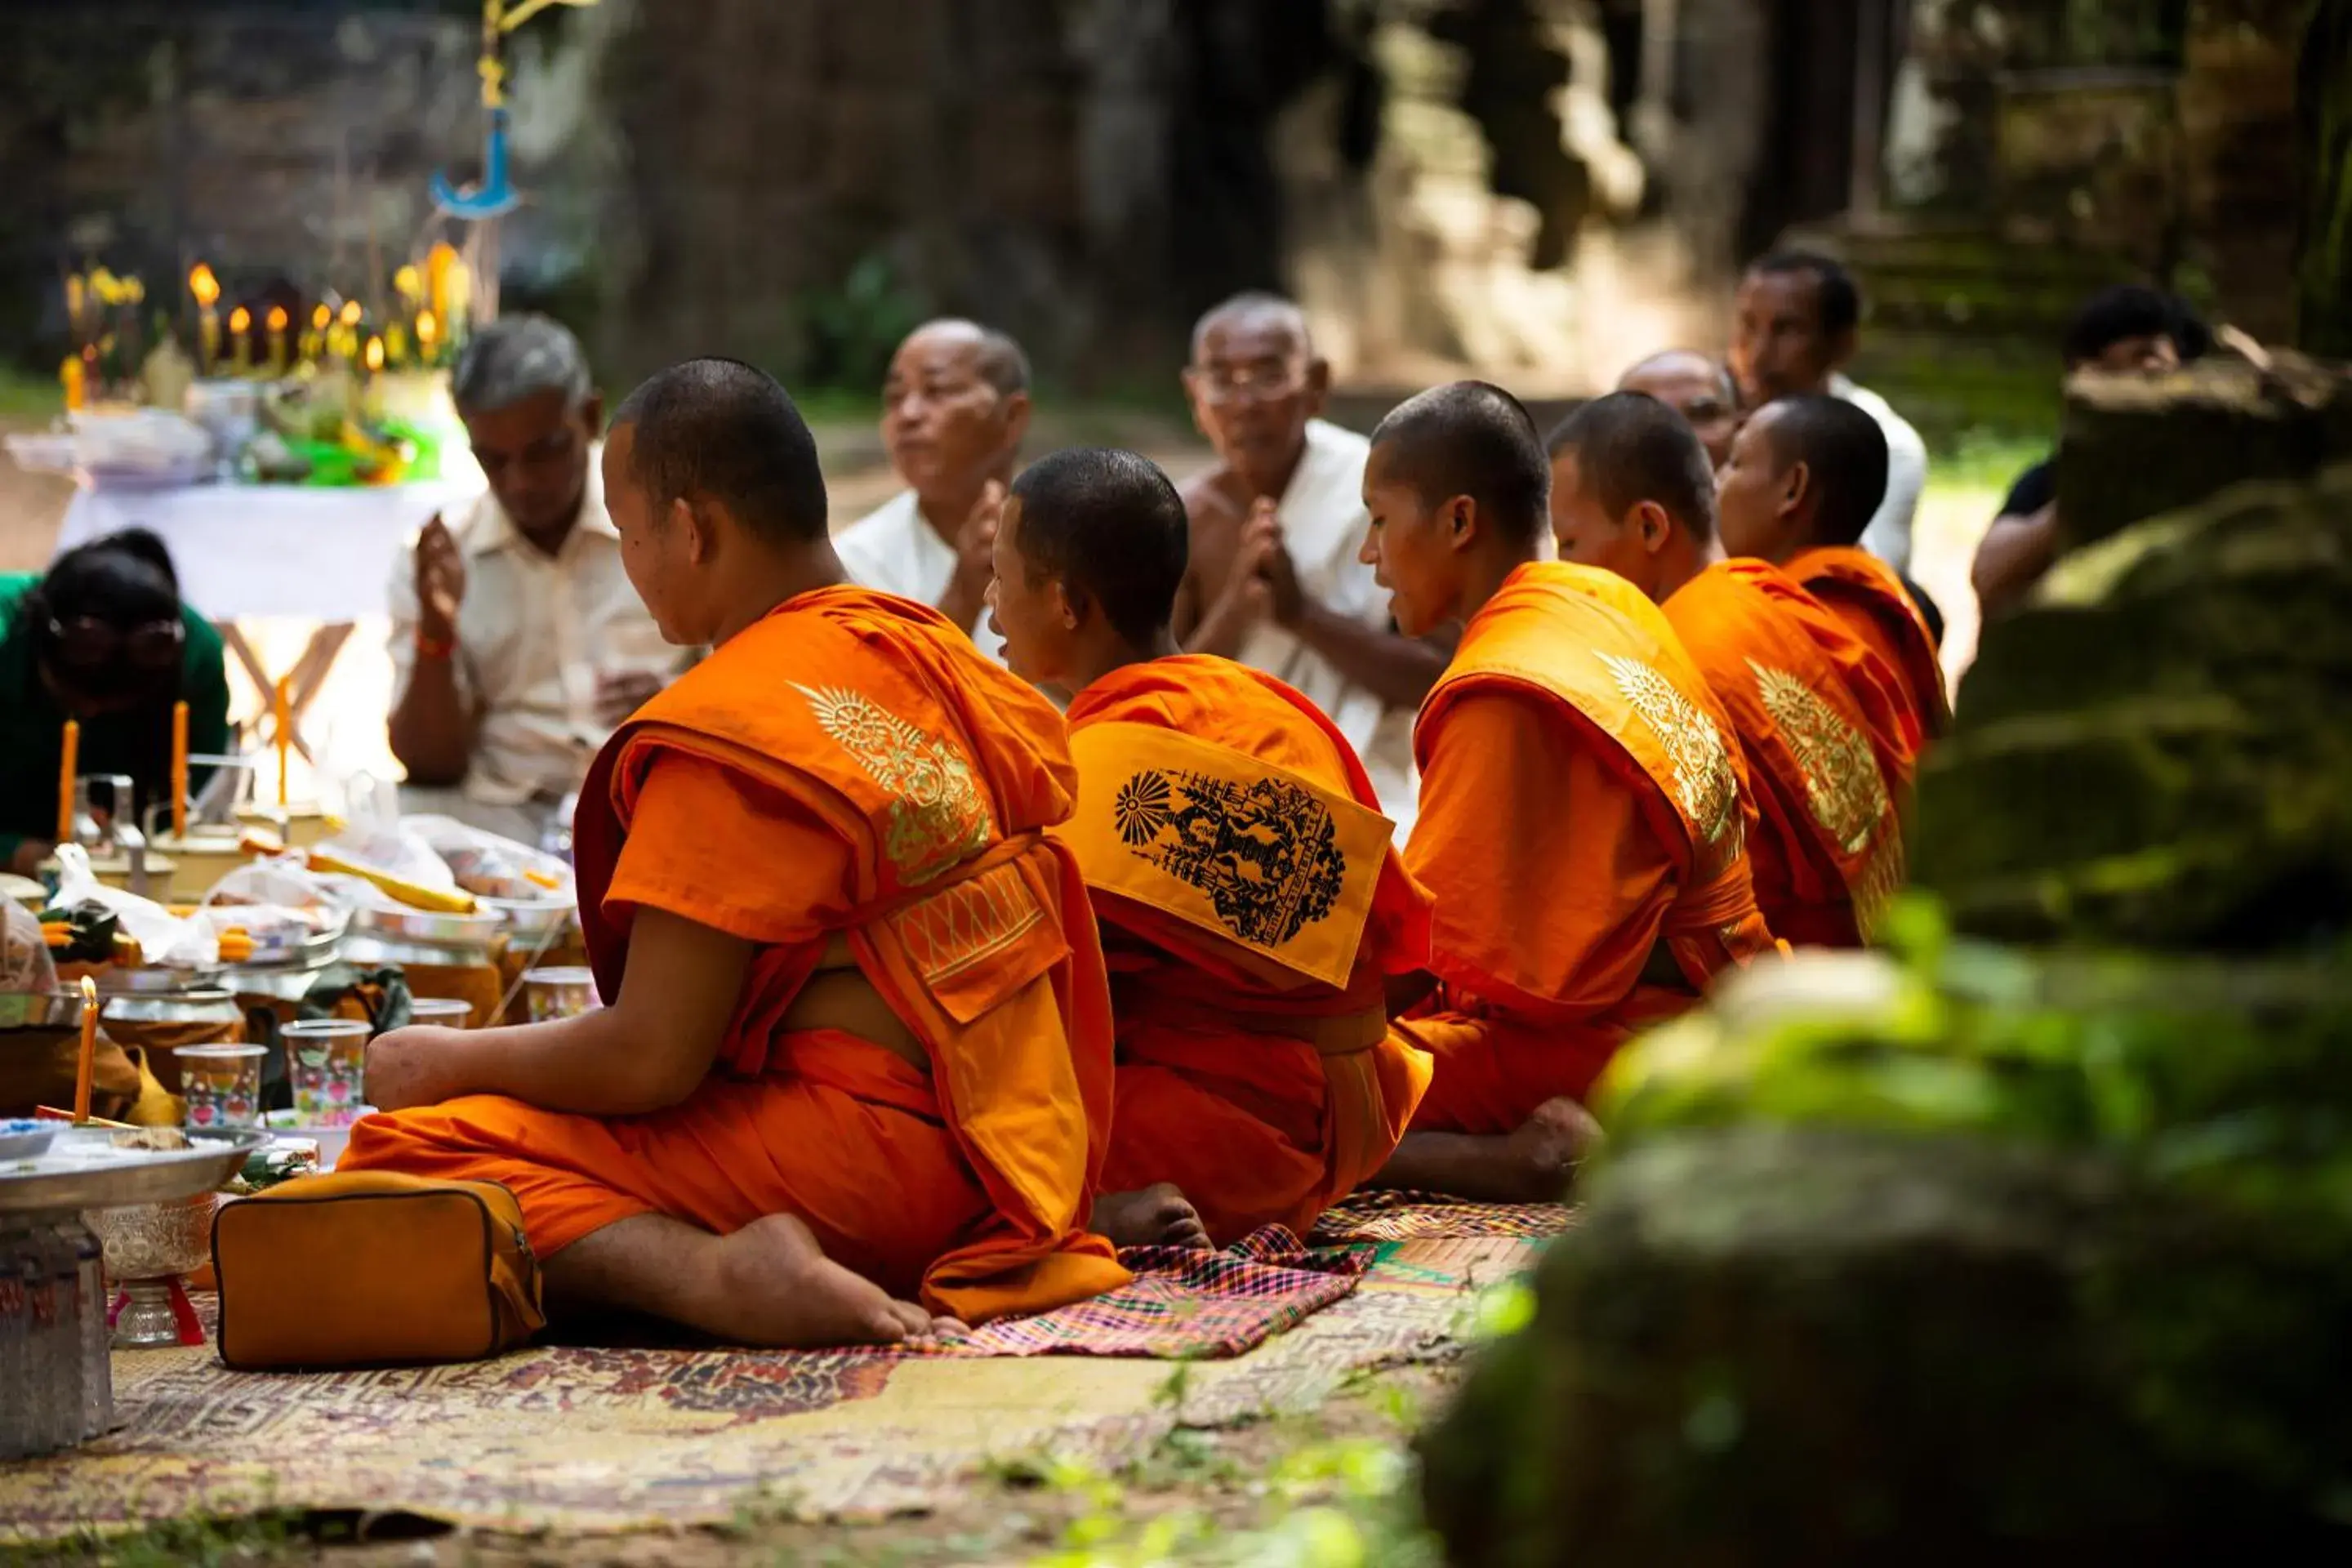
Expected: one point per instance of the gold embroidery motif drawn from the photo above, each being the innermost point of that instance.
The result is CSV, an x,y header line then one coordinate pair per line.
x,y
1843,784
978,917
1704,785
938,818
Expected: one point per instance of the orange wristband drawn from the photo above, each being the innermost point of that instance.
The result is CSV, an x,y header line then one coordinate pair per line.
x,y
435,647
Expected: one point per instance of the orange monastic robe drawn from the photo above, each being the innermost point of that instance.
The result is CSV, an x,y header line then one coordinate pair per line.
x,y
1830,739
1580,838
1256,1068
845,782
1875,606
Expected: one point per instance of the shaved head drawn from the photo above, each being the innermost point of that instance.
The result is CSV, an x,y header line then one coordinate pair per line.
x,y
721,430
1112,526
999,359
1696,386
1257,310
1673,366
1629,447
1469,438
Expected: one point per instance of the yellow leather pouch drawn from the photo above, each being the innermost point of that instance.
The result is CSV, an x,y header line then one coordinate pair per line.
x,y
371,1267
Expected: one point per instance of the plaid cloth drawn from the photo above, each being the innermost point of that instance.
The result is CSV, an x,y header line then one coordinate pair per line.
x,y
1380,1215
1186,1304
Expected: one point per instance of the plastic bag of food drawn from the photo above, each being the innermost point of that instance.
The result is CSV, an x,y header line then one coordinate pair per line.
x,y
163,938
285,880
491,866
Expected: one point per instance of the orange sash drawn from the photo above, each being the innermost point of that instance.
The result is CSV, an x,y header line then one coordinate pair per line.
x,y
1231,846
1871,600
1829,737
1600,654
940,772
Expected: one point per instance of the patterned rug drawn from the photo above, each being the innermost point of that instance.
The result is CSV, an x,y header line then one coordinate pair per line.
x,y
598,1439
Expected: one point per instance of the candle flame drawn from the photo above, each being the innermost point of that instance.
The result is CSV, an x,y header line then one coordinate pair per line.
x,y
276,318
239,319
320,318
408,282
351,312
426,327
204,285
375,354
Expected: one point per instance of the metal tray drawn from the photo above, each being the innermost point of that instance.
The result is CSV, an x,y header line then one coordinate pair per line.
x,y
40,1009
425,925
49,1185
154,980
537,917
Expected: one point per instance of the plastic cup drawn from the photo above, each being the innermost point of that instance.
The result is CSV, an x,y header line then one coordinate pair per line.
x,y
327,1060
445,1012
560,992
222,1084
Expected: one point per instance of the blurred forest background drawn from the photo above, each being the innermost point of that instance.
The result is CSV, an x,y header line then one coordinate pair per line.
x,y
1538,189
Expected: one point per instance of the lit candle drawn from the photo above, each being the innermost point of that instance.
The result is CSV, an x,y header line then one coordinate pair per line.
x,y
179,770
240,327
205,287
277,340
86,1064
285,717
315,340
69,773
374,354
429,329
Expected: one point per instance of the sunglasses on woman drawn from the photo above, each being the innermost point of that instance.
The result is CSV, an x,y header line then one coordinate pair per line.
x,y
86,642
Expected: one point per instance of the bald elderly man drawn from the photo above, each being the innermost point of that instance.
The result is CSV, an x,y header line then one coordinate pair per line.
x,y
954,409
1696,386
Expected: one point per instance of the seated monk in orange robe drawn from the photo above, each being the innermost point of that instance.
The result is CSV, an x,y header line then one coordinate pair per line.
x,y
1803,479
1829,739
855,1065
1251,905
1583,811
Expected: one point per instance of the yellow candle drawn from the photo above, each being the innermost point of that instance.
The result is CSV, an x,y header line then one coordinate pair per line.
x,y
86,1063
240,327
70,376
205,289
277,340
179,770
285,717
374,354
68,771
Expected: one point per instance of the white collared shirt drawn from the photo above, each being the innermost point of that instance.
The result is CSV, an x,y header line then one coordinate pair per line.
x,y
1323,524
534,632
1888,537
893,549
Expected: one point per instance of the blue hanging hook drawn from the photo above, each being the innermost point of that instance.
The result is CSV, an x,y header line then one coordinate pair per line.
x,y
495,194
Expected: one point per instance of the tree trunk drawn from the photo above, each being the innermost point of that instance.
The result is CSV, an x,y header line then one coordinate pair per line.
x,y
2324,266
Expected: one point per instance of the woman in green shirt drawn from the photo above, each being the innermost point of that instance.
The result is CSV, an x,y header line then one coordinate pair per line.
x,y
102,637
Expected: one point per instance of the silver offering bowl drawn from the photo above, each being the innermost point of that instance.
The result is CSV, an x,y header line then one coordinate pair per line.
x,y
149,1248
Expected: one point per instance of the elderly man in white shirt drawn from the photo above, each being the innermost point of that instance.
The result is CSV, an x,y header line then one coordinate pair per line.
x,y
954,409
1798,318
1274,581
518,644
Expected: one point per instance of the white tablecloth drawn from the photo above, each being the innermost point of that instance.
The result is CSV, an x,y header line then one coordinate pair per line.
x,y
260,550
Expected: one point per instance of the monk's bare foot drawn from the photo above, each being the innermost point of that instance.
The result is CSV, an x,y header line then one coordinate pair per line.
x,y
774,1287
1540,1158
1157,1215
1534,1163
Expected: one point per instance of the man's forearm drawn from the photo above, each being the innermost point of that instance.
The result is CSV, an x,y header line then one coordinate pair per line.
x,y
593,1065
962,604
1398,669
431,732
1219,632
2013,557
